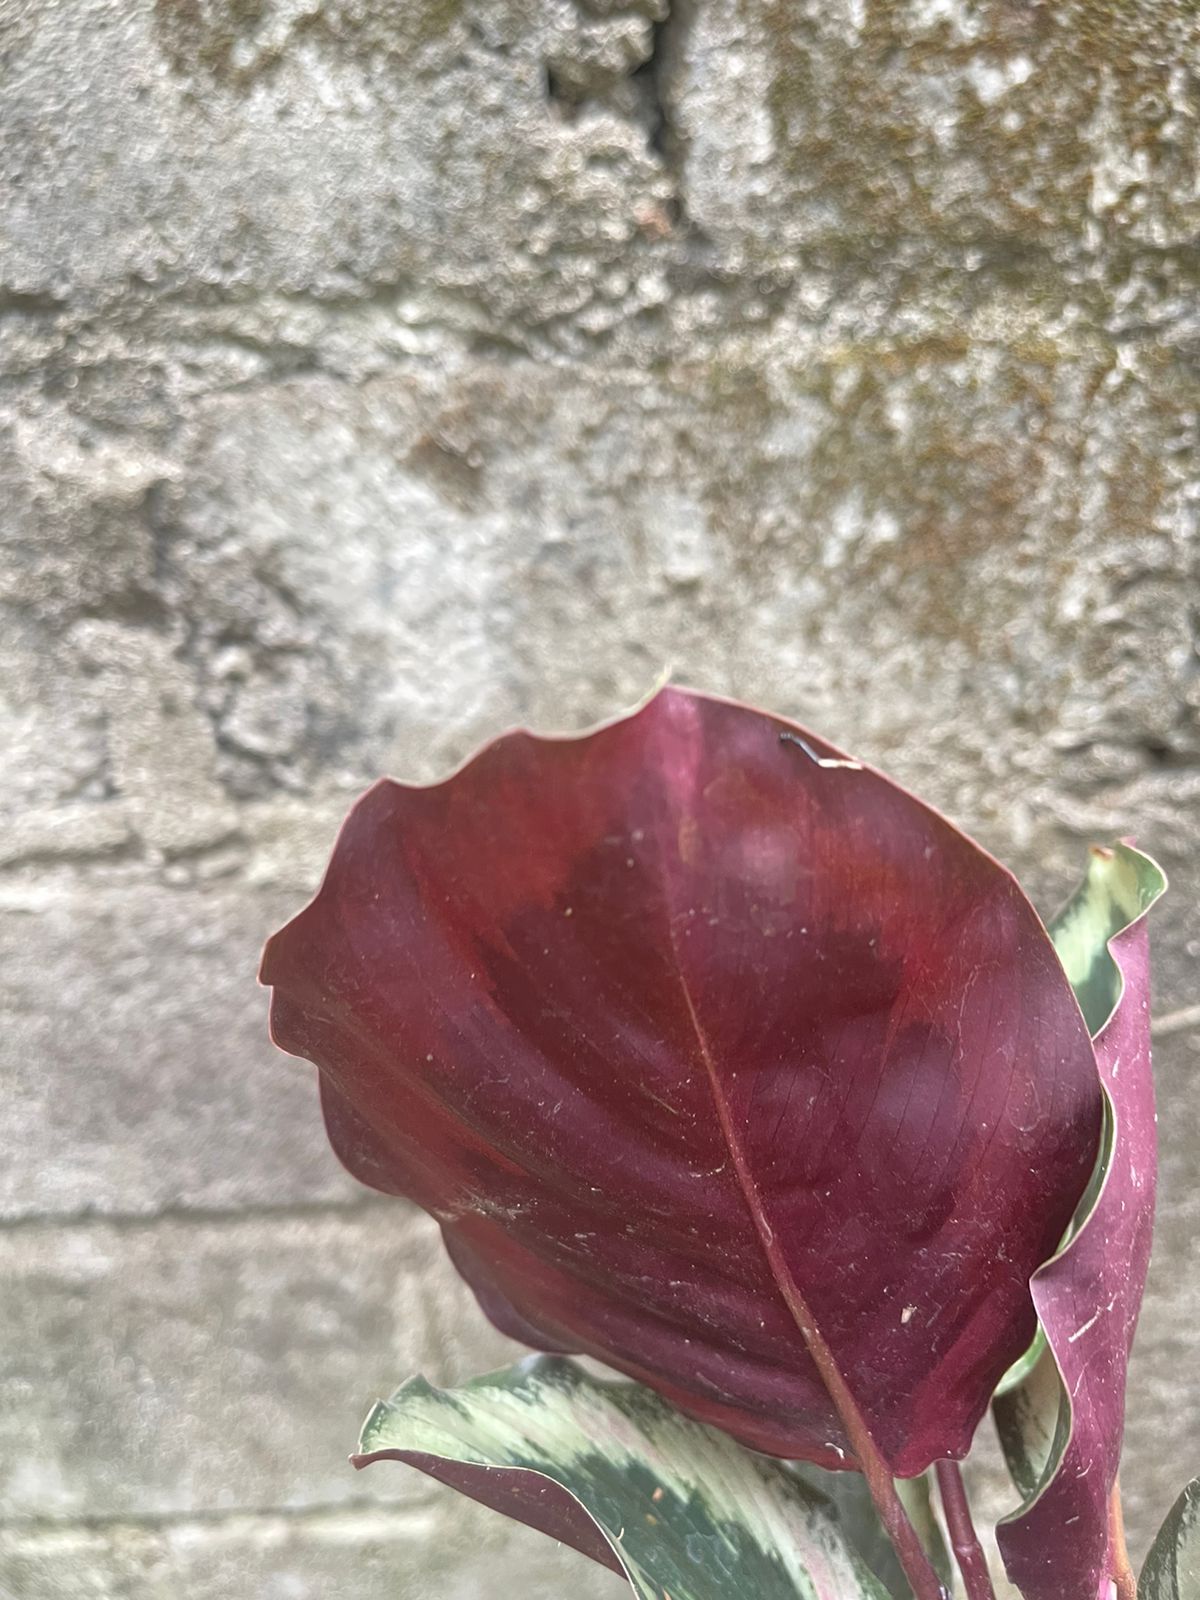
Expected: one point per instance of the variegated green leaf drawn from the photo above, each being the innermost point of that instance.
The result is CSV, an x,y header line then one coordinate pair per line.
x,y
611,1468
1033,1422
1121,886
851,1499
1172,1569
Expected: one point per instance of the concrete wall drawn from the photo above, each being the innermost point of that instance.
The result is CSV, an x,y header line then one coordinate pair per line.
x,y
375,376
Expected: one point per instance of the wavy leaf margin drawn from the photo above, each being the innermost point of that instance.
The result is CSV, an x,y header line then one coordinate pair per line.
x,y
1063,1419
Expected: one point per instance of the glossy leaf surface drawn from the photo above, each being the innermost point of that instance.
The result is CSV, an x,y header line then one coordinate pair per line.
x,y
613,1470
1062,1427
1172,1569
718,1057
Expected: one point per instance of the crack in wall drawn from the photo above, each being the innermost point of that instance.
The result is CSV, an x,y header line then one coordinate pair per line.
x,y
380,1517
30,303
652,77
234,1216
642,96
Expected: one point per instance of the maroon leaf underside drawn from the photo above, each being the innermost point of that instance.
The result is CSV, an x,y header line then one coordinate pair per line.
x,y
527,1497
1088,1301
703,1052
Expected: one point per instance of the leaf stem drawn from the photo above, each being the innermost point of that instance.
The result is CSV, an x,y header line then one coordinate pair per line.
x,y
1122,1572
968,1552
911,1553
917,1567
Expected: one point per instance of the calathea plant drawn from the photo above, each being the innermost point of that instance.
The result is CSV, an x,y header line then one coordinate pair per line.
x,y
721,1059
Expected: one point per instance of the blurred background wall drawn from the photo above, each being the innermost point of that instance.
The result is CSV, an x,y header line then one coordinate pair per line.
x,y
376,376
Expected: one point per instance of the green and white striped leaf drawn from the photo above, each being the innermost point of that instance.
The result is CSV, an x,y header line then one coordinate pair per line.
x,y
611,1468
851,1499
1172,1569
1121,885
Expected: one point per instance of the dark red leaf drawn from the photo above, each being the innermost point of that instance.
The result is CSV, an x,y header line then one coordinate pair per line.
x,y
527,1497
1064,1544
717,1057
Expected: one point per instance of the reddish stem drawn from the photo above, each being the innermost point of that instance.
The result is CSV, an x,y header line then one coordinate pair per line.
x,y
913,1557
911,1553
968,1551
1122,1572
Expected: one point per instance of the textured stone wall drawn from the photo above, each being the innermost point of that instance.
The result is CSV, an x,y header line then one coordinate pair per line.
x,y
375,376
